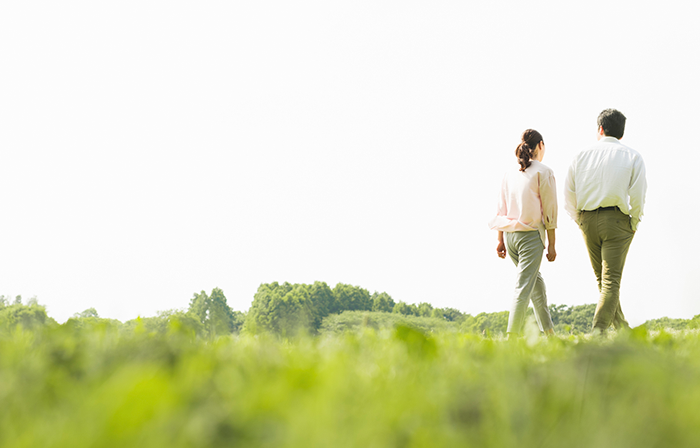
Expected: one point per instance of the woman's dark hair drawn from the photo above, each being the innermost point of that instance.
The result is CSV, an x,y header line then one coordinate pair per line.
x,y
613,123
526,149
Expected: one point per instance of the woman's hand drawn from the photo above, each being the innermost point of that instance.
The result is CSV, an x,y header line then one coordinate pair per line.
x,y
551,238
501,249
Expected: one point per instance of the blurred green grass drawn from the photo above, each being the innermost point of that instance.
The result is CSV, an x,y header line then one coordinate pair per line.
x,y
97,387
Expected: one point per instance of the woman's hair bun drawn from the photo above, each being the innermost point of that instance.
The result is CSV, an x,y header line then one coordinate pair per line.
x,y
525,150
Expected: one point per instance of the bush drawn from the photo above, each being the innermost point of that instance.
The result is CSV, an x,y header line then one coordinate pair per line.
x,y
356,320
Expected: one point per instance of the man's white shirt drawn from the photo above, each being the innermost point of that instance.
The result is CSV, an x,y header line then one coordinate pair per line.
x,y
607,174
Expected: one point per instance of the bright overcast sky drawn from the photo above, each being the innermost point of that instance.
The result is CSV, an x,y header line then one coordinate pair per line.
x,y
153,149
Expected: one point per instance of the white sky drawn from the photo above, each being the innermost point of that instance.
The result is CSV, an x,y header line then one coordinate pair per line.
x,y
153,149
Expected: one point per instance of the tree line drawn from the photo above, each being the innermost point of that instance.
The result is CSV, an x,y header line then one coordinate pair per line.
x,y
208,315
288,309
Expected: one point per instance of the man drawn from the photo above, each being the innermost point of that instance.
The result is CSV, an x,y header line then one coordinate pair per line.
x,y
604,193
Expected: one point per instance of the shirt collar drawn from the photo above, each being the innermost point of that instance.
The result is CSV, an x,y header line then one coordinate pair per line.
x,y
609,139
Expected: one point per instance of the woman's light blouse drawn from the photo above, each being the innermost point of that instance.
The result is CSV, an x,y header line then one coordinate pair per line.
x,y
528,201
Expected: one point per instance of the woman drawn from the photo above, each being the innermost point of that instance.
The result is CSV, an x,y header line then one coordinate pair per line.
x,y
527,210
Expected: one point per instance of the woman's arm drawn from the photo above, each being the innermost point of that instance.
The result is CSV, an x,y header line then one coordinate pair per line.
x,y
551,239
501,248
548,196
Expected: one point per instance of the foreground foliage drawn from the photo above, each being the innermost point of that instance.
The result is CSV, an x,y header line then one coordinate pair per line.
x,y
96,386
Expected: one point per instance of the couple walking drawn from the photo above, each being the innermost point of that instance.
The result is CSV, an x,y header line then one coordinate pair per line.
x,y
604,194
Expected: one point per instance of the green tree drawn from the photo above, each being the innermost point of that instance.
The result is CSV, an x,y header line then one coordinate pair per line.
x,y
469,324
382,302
573,319
220,314
212,312
280,309
321,301
89,320
449,314
351,298
29,317
425,309
165,322
90,312
665,323
238,321
488,323
259,319
401,308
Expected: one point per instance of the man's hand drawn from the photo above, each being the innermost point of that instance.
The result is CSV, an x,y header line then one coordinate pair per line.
x,y
501,249
551,253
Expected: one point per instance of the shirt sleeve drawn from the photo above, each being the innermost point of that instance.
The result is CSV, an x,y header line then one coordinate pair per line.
x,y
548,197
637,192
502,207
570,204
499,221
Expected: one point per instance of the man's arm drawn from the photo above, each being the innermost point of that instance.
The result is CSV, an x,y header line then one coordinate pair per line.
x,y
548,200
637,192
570,204
502,207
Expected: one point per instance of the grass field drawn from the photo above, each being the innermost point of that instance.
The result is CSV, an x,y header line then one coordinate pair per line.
x,y
60,387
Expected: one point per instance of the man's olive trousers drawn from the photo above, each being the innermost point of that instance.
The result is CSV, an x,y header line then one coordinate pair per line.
x,y
608,235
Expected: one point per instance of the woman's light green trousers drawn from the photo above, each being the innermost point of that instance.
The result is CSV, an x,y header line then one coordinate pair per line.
x,y
526,249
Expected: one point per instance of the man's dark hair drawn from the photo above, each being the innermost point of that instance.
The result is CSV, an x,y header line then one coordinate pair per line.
x,y
613,123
